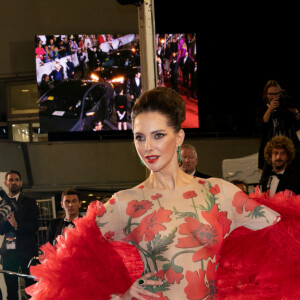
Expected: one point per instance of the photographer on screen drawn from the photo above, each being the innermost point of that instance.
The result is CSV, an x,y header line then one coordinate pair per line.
x,y
280,116
18,224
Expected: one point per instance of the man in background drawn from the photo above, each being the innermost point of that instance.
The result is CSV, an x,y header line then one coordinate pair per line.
x,y
19,229
71,204
279,153
190,160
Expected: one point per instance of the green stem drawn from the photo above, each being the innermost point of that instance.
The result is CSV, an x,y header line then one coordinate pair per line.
x,y
195,208
158,202
179,253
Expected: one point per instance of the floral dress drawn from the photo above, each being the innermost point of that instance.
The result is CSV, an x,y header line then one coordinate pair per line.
x,y
179,232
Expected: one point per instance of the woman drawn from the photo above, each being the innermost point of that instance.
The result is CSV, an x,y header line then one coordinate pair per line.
x,y
177,222
121,107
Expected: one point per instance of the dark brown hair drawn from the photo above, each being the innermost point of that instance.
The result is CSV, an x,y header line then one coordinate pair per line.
x,y
279,142
70,191
163,100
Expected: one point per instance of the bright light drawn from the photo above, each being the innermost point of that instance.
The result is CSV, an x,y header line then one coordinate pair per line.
x,y
94,77
133,50
162,41
118,79
90,113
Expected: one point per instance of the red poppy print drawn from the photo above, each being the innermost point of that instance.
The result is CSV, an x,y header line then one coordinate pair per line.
x,y
210,235
98,207
199,288
201,181
156,196
141,187
161,297
189,194
173,276
109,235
136,208
242,202
149,226
112,201
215,189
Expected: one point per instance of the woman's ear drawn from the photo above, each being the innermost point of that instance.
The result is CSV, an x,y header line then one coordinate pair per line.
x,y
180,137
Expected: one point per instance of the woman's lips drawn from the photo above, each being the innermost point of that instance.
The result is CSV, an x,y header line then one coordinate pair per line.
x,y
151,159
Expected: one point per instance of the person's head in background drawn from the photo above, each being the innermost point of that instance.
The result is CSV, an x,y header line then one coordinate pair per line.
x,y
279,152
271,91
241,185
189,158
70,203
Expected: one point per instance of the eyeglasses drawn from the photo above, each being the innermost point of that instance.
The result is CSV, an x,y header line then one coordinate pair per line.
x,y
273,94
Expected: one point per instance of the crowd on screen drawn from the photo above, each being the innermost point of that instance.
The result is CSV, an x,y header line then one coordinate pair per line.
x,y
176,61
51,47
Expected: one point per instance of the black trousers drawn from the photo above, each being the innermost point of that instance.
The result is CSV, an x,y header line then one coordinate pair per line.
x,y
15,262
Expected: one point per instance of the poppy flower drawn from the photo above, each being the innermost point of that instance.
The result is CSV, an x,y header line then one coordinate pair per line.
x,y
189,194
136,208
109,235
156,196
241,202
215,189
210,235
173,276
201,181
199,288
112,201
150,225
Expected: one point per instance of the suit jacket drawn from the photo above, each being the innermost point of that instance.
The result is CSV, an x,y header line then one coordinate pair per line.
x,y
290,181
55,228
201,175
26,216
134,89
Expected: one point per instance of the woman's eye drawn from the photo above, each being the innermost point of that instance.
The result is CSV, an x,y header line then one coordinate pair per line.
x,y
159,135
139,138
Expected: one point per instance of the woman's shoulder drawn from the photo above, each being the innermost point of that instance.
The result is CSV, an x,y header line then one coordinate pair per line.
x,y
128,193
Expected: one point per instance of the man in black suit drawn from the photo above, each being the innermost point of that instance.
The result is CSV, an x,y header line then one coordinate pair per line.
x,y
185,66
135,89
189,161
19,229
174,72
279,153
70,203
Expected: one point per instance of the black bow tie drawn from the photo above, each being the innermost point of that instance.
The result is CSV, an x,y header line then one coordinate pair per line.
x,y
279,176
67,223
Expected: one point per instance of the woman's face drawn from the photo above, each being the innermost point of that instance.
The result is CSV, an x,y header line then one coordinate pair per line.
x,y
155,141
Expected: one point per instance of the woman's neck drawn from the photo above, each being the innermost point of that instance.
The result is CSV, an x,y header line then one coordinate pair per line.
x,y
168,180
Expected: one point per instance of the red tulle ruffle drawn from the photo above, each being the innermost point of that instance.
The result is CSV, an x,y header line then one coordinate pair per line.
x,y
84,265
264,264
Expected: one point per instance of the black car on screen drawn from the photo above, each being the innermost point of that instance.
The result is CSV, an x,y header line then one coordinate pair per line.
x,y
119,66
75,105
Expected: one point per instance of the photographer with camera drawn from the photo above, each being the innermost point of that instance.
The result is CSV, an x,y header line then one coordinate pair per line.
x,y
280,116
18,224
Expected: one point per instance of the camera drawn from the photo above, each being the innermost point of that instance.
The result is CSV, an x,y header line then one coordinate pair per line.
x,y
286,101
6,205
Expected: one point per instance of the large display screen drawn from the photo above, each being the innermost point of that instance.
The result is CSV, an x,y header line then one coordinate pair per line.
x,y
89,83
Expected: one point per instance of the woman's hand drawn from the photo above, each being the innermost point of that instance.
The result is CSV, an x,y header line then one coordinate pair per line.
x,y
137,290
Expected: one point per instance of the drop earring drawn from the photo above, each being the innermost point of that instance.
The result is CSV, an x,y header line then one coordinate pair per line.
x,y
179,159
